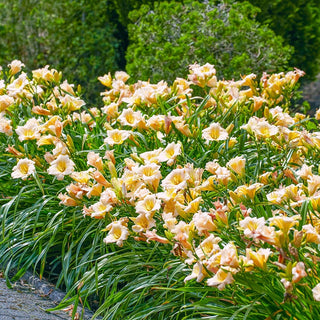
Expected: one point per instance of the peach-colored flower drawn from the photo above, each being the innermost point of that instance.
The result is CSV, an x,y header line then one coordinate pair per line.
x,y
298,272
259,257
118,232
106,80
44,74
29,131
176,179
131,118
316,292
15,66
170,153
237,164
116,136
229,256
100,209
61,167
5,125
313,183
151,156
221,279
214,133
17,87
23,169
71,103
305,172
5,102
149,205
284,223
93,159
208,247
198,273
311,234
203,222
67,201
143,222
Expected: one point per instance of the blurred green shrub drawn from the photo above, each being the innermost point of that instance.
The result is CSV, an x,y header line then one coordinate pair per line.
x,y
298,22
164,40
74,36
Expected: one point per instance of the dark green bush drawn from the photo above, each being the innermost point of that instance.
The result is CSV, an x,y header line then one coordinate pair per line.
x,y
298,22
172,35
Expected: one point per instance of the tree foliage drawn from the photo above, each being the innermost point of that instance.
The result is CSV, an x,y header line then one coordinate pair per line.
x,y
172,35
298,22
75,37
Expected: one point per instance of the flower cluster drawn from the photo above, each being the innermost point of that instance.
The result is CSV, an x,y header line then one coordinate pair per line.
x,y
218,170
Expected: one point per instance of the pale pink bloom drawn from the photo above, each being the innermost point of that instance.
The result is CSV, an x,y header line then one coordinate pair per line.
x,y
77,190
149,205
202,75
67,201
152,235
277,196
148,172
118,232
198,273
66,87
29,131
223,175
5,125
182,231
203,222
109,197
316,292
229,256
214,133
298,272
281,118
170,153
116,136
93,159
23,169
143,222
221,279
252,227
265,130
169,220
61,167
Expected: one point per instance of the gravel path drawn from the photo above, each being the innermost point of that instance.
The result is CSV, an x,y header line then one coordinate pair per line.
x,y
29,299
